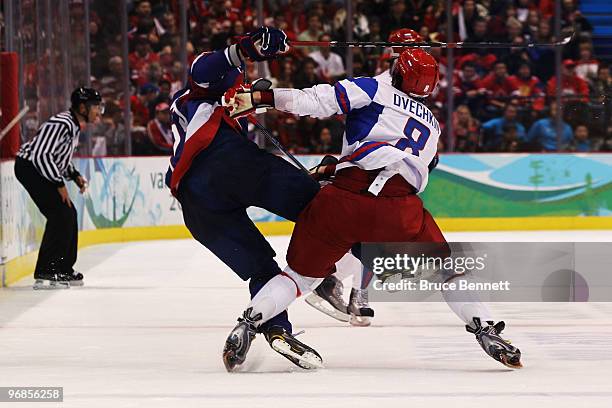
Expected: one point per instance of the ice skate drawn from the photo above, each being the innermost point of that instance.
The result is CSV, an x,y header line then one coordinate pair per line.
x,y
55,279
292,349
75,278
359,308
239,340
327,298
494,345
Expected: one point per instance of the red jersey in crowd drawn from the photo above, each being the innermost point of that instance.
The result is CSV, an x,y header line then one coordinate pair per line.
x,y
137,62
495,85
530,87
570,86
140,111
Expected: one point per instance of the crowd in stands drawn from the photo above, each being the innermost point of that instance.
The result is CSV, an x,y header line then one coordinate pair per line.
x,y
503,98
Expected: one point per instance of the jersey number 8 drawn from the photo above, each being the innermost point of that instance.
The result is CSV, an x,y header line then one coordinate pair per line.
x,y
409,141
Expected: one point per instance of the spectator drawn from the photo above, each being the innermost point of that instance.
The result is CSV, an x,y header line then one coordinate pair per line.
x,y
479,30
170,29
572,19
373,54
532,23
175,77
159,131
581,141
163,96
467,130
494,129
587,66
112,78
141,57
143,11
527,89
330,66
465,19
525,85
498,89
601,94
602,87
286,74
467,87
543,59
574,93
324,143
543,133
397,18
523,8
306,77
510,141
140,104
111,129
361,26
312,33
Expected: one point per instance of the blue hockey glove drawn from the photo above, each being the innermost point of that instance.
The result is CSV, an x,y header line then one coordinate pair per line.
x,y
263,44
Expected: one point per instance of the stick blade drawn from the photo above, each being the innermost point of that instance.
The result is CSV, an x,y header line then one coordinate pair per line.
x,y
567,39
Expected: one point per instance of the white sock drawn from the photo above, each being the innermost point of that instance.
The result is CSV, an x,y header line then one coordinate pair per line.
x,y
274,297
467,305
358,277
347,266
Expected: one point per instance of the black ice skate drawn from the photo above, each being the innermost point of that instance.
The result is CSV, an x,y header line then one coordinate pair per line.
x,y
359,308
75,278
53,278
491,342
292,349
239,340
327,298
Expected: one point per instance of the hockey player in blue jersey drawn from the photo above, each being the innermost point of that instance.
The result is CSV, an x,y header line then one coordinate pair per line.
x,y
216,173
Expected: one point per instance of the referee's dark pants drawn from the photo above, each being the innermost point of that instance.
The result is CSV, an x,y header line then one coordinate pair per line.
x,y
60,239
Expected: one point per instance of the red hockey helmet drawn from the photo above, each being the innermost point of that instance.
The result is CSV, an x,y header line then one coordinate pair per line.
x,y
403,35
415,73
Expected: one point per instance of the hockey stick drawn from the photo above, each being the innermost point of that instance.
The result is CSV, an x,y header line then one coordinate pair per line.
x,y
374,44
14,121
277,144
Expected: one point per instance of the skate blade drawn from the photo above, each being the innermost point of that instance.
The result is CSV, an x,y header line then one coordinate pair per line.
x,y
230,361
228,356
308,360
319,303
507,363
76,283
41,284
360,321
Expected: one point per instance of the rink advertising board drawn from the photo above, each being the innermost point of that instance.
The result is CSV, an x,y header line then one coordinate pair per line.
x,y
128,200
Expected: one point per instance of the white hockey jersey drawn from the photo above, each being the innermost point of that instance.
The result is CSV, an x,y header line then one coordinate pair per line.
x,y
385,128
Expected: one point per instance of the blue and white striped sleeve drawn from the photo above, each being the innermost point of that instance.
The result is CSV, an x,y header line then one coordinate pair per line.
x,y
355,93
322,101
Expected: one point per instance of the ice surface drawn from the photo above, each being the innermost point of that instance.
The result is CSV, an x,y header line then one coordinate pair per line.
x,y
148,328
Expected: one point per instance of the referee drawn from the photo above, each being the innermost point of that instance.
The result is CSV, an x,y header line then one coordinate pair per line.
x,y
41,167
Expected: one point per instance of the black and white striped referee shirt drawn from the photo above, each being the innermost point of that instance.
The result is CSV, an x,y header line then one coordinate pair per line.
x,y
51,149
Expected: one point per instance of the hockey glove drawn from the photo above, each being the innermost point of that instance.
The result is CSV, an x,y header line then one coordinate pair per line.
x,y
263,44
434,163
324,171
238,101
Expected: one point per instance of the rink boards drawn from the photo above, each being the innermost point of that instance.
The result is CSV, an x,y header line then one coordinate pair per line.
x,y
128,200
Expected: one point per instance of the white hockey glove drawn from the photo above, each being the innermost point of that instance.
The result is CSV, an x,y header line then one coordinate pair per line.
x,y
238,101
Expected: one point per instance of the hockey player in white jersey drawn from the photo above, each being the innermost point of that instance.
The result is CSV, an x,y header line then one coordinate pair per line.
x,y
391,139
328,296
